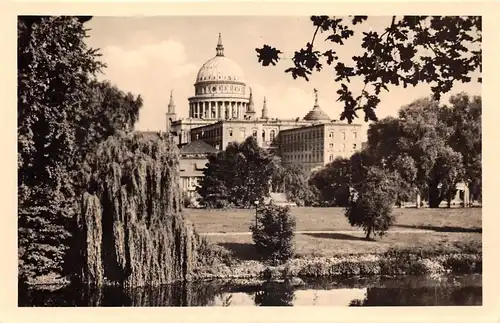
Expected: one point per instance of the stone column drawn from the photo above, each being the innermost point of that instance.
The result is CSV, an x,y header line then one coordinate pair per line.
x,y
457,195
418,200
466,196
243,108
213,114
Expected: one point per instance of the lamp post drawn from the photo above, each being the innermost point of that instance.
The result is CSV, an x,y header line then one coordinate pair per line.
x,y
256,205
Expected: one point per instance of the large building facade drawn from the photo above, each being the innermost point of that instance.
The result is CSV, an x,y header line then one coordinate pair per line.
x,y
315,146
222,110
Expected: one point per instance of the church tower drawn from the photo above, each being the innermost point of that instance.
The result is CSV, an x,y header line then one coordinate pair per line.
x,y
265,115
250,114
171,115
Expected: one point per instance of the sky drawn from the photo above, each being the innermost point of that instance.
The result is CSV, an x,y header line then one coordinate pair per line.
x,y
151,56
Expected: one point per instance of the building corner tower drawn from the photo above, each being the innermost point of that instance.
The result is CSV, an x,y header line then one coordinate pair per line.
x,y
171,115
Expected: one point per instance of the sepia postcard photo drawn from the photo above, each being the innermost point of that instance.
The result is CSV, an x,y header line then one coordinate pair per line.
x,y
224,157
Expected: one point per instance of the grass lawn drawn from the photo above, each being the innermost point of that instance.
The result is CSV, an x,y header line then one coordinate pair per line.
x,y
325,219
340,244
453,229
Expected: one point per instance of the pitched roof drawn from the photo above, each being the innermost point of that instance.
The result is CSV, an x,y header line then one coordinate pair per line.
x,y
197,147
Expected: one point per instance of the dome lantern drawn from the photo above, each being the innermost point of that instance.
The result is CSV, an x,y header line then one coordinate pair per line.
x,y
220,48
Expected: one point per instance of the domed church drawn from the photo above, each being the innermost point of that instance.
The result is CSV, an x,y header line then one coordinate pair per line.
x,y
222,110
221,97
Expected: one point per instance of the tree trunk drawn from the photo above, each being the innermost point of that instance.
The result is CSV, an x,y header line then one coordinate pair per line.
x,y
435,198
368,233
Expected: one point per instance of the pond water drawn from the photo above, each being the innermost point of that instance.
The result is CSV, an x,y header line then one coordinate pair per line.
x,y
400,291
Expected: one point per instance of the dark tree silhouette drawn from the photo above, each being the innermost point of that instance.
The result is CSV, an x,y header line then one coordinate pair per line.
x,y
437,50
62,115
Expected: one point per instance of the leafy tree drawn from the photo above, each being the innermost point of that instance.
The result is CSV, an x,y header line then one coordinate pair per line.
x,y
334,182
274,233
420,146
463,115
371,206
61,117
291,180
237,176
437,50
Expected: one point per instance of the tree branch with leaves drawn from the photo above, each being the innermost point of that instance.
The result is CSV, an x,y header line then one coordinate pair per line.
x,y
435,50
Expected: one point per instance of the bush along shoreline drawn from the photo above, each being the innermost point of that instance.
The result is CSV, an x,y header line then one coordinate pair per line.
x,y
391,263
223,266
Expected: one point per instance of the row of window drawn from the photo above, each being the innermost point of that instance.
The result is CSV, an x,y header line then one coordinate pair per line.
x,y
210,77
315,157
303,135
332,146
313,148
219,89
314,135
301,146
272,134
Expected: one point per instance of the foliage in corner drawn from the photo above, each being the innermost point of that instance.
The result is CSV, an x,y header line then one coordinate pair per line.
x,y
274,233
431,147
63,114
437,50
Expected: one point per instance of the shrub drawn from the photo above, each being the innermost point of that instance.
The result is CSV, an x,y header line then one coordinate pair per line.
x,y
271,274
371,208
210,254
369,268
274,233
186,201
465,264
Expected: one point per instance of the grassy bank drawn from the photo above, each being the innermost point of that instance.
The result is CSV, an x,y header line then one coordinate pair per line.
x,y
462,259
332,244
451,243
323,219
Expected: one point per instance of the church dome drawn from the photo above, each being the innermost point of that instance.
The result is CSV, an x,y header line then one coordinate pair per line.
x,y
220,68
316,114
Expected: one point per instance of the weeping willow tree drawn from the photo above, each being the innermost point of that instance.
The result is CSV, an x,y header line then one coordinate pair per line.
x,y
131,230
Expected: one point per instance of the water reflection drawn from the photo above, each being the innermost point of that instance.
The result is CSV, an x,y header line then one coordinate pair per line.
x,y
408,291
274,294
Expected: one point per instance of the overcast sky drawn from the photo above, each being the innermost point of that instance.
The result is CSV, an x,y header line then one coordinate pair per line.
x,y
153,55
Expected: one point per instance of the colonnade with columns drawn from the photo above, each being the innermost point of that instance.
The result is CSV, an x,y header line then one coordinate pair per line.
x,y
218,109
